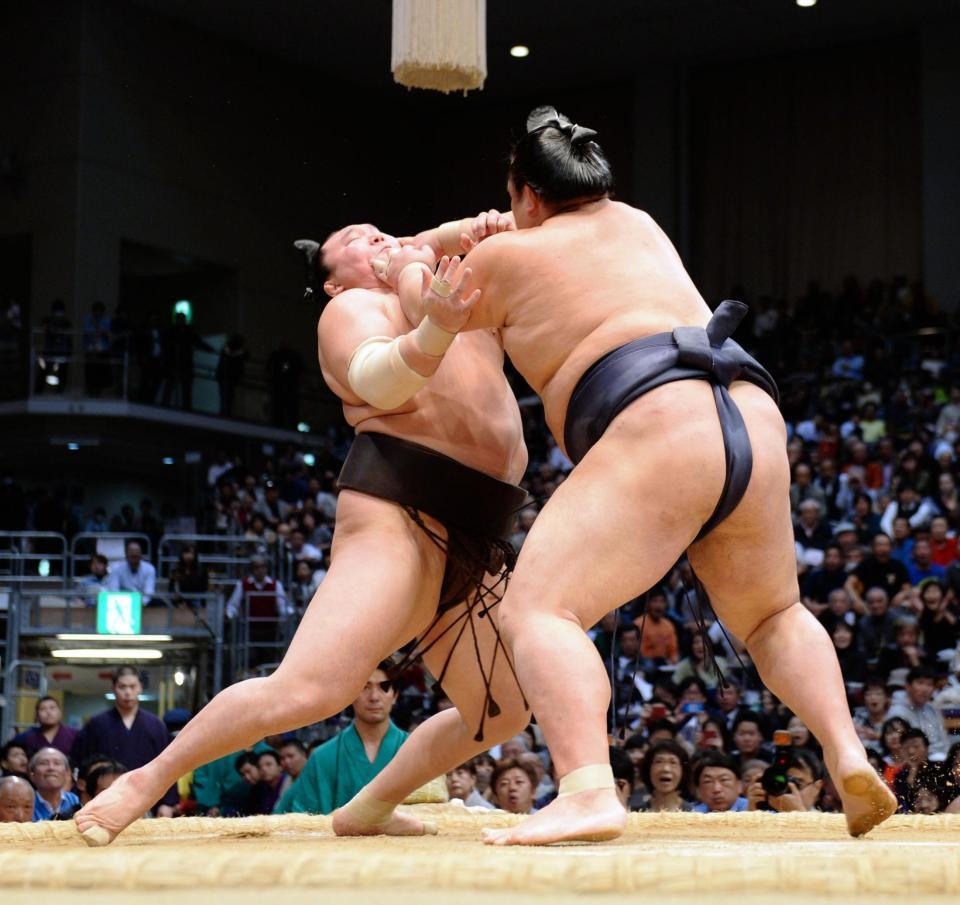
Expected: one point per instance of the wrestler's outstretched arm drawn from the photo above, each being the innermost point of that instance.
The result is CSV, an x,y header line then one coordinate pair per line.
x,y
457,237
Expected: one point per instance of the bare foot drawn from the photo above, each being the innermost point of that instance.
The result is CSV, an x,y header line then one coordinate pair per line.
x,y
397,824
593,816
100,821
867,801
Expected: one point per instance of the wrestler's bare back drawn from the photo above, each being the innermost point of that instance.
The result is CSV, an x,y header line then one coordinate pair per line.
x,y
568,291
467,411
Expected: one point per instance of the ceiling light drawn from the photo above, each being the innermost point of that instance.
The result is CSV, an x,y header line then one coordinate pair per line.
x,y
108,653
52,380
309,459
806,3
519,51
178,677
73,447
168,460
81,636
303,427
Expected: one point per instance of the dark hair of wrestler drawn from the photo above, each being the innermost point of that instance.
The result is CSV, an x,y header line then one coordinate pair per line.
x,y
559,160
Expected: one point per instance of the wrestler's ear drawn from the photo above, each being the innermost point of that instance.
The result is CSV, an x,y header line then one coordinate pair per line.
x,y
531,203
332,289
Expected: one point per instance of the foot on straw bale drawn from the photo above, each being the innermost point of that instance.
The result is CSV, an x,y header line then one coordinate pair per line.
x,y
593,816
397,824
867,801
100,821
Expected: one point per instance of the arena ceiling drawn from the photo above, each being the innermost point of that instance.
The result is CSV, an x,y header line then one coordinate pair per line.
x,y
571,41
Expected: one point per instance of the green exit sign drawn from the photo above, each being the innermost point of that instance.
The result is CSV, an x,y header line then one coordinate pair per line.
x,y
118,613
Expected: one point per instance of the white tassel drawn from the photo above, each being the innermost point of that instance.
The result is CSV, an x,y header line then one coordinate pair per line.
x,y
440,44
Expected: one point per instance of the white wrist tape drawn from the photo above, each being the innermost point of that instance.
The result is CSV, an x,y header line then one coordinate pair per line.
x,y
378,374
449,236
587,779
431,339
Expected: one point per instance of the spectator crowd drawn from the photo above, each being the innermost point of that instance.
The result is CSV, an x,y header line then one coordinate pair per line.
x,y
870,385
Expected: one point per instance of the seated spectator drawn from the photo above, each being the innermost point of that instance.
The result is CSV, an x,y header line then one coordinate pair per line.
x,y
697,665
273,781
485,765
624,775
878,627
905,652
880,570
14,760
921,565
817,584
98,523
947,498
802,737
917,772
298,548
462,785
840,608
908,505
868,720
49,731
87,766
892,749
16,800
853,664
665,774
805,777
865,522
748,736
102,776
811,533
306,580
267,606
938,622
943,544
188,577
915,708
713,734
848,365
219,788
902,540
513,783
293,758
134,574
716,781
658,633
804,488
341,767
50,774
95,581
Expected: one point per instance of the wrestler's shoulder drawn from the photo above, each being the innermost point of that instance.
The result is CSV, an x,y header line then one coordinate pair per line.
x,y
352,303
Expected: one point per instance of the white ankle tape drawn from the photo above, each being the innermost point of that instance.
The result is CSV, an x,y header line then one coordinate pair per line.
x,y
587,779
369,810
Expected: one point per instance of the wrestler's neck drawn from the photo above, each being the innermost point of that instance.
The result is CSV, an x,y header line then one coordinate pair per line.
x,y
576,206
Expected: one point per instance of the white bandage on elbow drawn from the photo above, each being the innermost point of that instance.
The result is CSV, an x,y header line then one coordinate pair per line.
x,y
378,374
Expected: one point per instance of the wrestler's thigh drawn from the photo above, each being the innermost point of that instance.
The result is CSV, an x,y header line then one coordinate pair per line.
x,y
381,591
624,516
463,639
748,563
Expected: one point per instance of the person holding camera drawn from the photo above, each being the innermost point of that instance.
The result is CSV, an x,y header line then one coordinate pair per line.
x,y
804,782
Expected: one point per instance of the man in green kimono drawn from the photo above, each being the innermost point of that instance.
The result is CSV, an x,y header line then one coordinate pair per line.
x,y
219,790
342,766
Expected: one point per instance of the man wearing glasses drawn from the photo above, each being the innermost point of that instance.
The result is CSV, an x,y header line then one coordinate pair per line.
x,y
804,784
342,766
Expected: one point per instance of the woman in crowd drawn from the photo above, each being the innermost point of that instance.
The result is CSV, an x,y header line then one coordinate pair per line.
x,y
665,773
893,755
514,783
802,737
853,664
697,665
938,622
189,577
